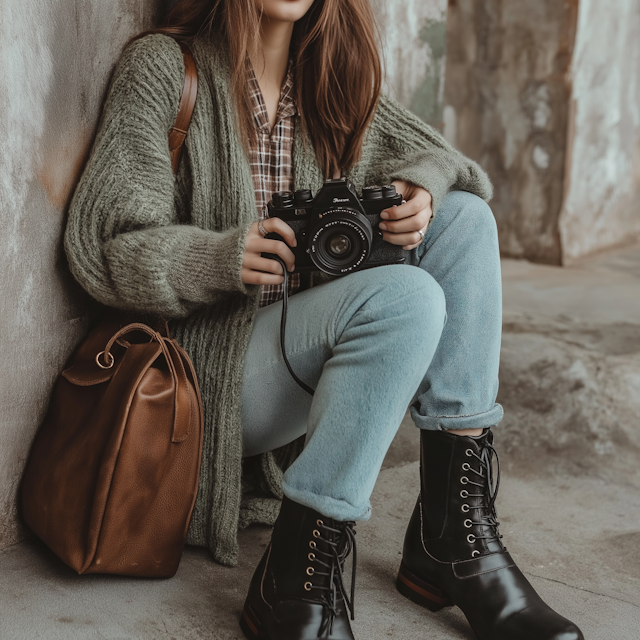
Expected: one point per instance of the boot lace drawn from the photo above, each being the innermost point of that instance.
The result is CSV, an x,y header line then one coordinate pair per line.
x,y
485,516
328,563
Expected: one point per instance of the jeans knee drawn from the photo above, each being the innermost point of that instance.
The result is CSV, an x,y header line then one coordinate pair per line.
x,y
403,294
429,301
402,307
415,296
473,216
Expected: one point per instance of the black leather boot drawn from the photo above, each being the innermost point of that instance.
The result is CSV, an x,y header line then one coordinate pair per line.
x,y
453,551
297,591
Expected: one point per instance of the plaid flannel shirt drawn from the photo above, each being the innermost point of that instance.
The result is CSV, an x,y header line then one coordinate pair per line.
x,y
271,161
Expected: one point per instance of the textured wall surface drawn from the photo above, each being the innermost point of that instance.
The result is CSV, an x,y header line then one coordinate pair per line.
x,y
507,99
55,60
414,46
545,94
602,205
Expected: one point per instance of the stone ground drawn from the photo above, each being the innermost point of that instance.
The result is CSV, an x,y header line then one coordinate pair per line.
x,y
569,499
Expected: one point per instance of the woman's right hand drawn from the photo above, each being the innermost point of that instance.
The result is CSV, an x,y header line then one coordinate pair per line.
x,y
259,270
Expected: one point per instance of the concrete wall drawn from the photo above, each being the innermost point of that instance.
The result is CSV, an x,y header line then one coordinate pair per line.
x,y
602,203
507,97
545,94
55,59
414,47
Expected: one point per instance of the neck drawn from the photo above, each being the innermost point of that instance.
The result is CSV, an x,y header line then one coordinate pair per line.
x,y
272,55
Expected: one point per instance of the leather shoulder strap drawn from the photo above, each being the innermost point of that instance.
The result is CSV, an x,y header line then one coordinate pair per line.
x,y
178,132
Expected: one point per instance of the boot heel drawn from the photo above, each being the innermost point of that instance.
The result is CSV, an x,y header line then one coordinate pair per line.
x,y
421,592
250,625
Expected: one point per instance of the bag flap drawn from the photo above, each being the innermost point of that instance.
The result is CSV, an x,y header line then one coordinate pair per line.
x,y
86,372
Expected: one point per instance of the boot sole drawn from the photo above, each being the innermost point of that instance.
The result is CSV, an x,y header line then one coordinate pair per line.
x,y
251,626
421,592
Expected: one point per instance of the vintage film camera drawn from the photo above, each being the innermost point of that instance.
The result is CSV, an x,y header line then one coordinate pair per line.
x,y
337,232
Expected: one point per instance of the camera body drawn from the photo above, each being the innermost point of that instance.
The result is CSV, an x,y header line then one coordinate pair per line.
x,y
337,231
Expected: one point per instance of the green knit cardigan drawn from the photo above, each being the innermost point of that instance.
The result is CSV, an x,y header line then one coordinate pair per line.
x,y
139,238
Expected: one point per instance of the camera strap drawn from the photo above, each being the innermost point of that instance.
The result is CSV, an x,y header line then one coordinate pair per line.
x,y
283,327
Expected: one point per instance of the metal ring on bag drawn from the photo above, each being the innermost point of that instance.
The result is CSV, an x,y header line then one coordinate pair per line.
x,y
102,366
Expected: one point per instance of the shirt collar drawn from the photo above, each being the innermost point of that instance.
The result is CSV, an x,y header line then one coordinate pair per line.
x,y
286,104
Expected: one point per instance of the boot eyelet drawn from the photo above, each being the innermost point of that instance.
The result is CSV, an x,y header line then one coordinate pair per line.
x,y
308,586
464,480
471,538
475,553
464,493
316,533
465,508
468,453
310,571
312,557
466,466
468,524
320,523
312,544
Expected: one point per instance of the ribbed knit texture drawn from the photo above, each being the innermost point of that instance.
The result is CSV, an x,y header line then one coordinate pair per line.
x,y
137,238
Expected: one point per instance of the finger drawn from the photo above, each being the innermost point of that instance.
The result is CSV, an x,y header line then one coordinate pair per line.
x,y
401,186
422,200
263,245
403,239
259,277
281,249
275,225
258,263
407,225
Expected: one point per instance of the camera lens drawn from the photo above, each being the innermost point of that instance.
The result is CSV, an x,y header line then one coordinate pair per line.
x,y
339,245
340,241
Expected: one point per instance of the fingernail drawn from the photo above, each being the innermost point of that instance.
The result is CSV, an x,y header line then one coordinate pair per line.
x,y
384,215
383,226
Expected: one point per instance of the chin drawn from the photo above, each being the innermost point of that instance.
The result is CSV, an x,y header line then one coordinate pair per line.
x,y
285,10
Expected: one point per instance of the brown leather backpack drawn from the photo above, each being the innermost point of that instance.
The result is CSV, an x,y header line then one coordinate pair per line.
x,y
113,473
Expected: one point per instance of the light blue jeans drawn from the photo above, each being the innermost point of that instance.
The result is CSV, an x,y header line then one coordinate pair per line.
x,y
371,344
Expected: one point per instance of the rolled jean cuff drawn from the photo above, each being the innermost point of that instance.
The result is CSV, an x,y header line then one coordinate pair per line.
x,y
330,507
444,423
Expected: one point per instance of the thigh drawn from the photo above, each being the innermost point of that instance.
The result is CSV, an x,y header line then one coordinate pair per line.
x,y
274,407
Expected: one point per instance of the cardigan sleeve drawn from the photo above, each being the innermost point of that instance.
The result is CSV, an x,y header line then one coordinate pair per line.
x,y
403,147
123,239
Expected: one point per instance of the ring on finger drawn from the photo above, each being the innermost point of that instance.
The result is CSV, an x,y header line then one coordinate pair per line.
x,y
261,229
421,234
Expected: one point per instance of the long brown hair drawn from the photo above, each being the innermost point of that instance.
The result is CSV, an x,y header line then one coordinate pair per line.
x,y
337,67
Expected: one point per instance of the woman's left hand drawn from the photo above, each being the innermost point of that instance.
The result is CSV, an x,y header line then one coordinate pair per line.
x,y
401,224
